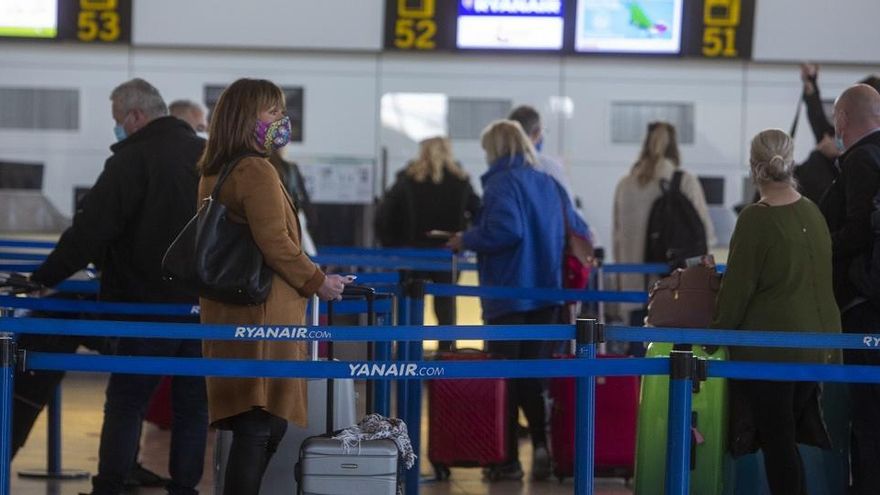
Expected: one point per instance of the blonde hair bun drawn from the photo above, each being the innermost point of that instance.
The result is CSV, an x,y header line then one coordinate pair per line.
x,y
772,157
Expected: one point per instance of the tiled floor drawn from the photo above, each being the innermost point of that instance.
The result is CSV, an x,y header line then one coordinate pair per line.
x,y
82,414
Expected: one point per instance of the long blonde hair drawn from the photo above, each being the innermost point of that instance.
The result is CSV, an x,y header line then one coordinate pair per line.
x,y
660,144
507,138
435,159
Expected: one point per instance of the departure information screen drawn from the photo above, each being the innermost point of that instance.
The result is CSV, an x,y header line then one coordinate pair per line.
x,y
29,18
532,25
628,26
720,29
84,21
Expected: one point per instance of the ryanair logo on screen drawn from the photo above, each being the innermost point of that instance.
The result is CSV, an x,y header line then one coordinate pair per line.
x,y
511,7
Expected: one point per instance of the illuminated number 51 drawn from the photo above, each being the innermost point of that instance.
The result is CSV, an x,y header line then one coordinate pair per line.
x,y
719,42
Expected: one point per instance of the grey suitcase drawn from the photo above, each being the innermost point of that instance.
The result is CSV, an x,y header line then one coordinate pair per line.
x,y
325,468
370,468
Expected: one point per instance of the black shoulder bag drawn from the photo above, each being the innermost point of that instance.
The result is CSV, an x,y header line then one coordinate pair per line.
x,y
217,258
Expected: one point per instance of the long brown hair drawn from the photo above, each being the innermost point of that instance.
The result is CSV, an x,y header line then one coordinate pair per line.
x,y
435,160
660,143
231,131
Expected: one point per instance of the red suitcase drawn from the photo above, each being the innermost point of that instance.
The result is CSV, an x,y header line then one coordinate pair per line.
x,y
617,406
467,420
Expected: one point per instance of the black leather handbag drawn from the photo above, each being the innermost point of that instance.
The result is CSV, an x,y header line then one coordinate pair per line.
x,y
216,258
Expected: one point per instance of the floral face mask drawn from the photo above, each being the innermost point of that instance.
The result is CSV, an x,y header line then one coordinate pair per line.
x,y
273,135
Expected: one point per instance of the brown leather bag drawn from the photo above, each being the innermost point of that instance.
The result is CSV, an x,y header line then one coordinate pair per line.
x,y
684,299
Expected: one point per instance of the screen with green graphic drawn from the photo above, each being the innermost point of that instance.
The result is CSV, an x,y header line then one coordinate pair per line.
x,y
628,26
29,18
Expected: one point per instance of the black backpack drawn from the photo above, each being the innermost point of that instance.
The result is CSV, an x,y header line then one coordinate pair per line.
x,y
675,231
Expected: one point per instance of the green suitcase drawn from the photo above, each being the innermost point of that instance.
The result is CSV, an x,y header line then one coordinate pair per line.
x,y
710,461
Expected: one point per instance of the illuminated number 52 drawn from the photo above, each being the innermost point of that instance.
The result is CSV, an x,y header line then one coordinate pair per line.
x,y
415,34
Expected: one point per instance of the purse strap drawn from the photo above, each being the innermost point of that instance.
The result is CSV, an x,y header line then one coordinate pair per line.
x,y
563,197
227,169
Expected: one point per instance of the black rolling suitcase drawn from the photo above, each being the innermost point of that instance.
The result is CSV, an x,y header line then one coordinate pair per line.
x,y
325,468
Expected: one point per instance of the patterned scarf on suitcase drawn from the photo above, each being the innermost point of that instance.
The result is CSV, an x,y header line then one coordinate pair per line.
x,y
377,427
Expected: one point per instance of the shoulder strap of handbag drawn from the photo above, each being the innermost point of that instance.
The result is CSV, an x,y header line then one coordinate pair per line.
x,y
227,169
563,197
675,185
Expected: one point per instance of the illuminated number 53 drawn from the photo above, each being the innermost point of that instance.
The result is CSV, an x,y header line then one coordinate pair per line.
x,y
94,25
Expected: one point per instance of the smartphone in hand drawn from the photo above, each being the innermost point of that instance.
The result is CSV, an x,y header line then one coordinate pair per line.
x,y
439,234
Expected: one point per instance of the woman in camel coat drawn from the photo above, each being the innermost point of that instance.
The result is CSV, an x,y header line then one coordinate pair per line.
x,y
248,123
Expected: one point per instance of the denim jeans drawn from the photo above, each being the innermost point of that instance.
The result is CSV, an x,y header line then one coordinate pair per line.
x,y
124,410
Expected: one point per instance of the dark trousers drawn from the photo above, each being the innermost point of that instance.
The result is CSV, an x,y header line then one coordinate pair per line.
x,y
124,410
34,389
444,307
255,438
525,393
776,407
865,439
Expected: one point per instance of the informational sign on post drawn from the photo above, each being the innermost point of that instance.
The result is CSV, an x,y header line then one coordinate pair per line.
x,y
338,180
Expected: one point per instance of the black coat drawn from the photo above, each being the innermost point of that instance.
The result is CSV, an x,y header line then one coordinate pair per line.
x,y
815,176
143,198
847,207
410,209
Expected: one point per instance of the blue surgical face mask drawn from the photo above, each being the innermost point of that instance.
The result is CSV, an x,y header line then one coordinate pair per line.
x,y
119,129
119,132
838,141
539,145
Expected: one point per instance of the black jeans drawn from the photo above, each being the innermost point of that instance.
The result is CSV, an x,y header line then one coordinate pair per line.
x,y
525,393
865,439
776,407
255,438
126,404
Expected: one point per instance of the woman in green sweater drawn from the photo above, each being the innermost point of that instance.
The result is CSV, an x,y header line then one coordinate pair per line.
x,y
778,279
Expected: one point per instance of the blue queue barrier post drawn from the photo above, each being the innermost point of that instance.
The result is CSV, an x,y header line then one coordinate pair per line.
x,y
413,417
384,353
53,469
7,378
678,447
587,335
404,310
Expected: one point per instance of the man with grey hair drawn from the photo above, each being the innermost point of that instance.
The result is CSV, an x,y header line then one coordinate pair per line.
x,y
190,112
848,208
140,202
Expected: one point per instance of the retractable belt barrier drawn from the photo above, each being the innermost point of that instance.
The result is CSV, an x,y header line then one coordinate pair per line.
x,y
539,294
154,309
26,244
